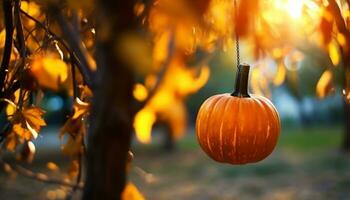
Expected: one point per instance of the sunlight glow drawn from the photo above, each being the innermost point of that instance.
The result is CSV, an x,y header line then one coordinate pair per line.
x,y
295,8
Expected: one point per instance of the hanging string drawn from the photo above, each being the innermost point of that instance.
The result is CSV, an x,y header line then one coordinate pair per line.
x,y
236,34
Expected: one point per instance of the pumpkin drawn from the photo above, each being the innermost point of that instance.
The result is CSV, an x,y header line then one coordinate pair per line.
x,y
238,128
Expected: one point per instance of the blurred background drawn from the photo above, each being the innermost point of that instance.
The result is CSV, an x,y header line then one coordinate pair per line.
x,y
303,79
308,162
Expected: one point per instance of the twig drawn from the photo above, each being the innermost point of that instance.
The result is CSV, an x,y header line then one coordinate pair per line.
x,y
22,46
74,81
39,176
147,177
8,19
19,30
83,70
73,41
30,33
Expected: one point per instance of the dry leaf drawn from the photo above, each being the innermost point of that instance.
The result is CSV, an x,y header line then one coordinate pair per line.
x,y
26,125
75,129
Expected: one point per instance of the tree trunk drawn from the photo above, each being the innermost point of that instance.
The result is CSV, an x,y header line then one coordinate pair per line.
x,y
112,112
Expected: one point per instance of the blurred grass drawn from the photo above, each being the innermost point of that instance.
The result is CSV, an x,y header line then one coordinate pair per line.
x,y
306,164
295,139
310,139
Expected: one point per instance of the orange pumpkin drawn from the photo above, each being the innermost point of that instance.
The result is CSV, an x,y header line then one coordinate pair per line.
x,y
238,128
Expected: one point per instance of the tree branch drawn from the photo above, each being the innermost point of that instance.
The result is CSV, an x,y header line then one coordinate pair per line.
x,y
86,73
73,41
8,19
38,176
19,29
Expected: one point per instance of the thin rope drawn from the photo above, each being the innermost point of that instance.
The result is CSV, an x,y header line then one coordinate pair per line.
x,y
236,34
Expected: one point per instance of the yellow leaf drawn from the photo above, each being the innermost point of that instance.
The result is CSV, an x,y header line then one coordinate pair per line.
x,y
27,123
22,131
31,8
341,39
80,108
280,75
259,84
325,84
50,71
33,116
176,118
333,53
189,84
143,123
2,38
140,92
131,193
160,49
52,166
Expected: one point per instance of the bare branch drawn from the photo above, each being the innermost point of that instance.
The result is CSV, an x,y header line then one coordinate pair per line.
x,y
39,176
19,30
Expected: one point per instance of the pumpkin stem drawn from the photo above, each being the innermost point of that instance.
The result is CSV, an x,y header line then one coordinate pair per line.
x,y
241,89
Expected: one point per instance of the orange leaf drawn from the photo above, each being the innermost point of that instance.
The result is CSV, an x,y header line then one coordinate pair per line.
x,y
131,193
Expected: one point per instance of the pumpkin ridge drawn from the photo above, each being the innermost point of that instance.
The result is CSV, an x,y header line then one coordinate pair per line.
x,y
206,106
237,138
267,136
251,138
266,109
228,157
227,99
210,125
